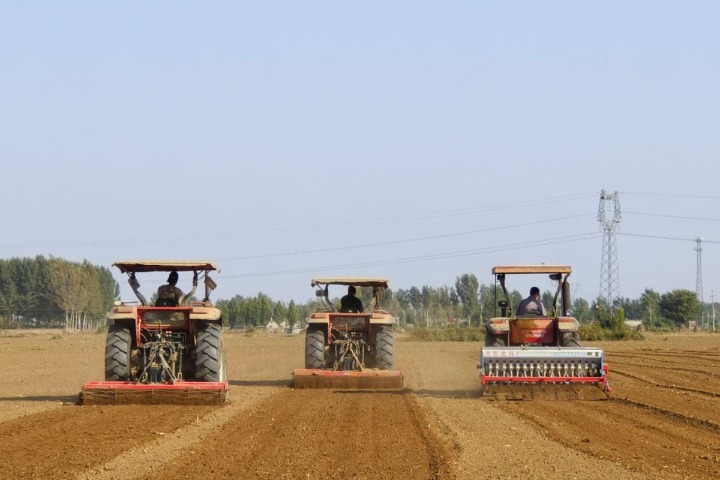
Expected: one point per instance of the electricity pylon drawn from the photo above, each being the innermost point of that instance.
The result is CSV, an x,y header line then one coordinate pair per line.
x,y
609,268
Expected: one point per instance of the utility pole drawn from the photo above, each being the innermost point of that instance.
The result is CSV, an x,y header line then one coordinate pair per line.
x,y
712,299
698,278
609,272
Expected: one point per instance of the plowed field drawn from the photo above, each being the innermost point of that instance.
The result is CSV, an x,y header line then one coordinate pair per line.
x,y
662,420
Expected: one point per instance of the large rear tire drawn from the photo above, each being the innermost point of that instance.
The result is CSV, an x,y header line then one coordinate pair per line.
x,y
492,340
570,339
209,354
384,348
117,354
315,347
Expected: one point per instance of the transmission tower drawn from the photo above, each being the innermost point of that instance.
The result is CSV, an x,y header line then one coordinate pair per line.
x,y
698,276
609,272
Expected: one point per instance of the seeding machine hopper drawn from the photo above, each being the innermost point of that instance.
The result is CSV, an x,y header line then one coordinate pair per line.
x,y
530,356
346,348
170,352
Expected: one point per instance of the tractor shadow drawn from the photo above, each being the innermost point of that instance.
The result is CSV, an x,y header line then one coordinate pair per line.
x,y
42,398
452,394
261,383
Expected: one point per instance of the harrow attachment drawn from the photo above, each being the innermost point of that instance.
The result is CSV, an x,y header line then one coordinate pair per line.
x,y
179,393
368,379
543,373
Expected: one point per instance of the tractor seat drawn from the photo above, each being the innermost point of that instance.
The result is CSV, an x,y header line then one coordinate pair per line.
x,y
166,302
348,310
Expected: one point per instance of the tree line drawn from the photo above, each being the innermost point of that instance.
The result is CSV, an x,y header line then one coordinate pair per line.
x,y
470,303
53,292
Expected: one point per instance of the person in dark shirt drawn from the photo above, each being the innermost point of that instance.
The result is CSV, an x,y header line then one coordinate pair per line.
x,y
169,295
350,303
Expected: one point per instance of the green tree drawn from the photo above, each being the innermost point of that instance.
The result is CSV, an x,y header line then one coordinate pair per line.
x,y
467,288
581,310
488,295
293,315
650,303
279,313
680,307
547,298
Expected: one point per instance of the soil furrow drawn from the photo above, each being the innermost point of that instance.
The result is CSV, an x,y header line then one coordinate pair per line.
x,y
320,434
63,442
628,434
696,422
668,386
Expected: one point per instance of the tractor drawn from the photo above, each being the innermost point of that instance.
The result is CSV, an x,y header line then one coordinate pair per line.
x,y
166,351
528,355
348,347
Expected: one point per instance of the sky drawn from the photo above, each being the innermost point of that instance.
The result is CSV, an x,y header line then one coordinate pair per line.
x,y
413,141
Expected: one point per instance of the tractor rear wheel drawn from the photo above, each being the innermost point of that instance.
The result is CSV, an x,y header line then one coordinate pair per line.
x,y
315,347
117,354
492,340
209,354
384,348
570,339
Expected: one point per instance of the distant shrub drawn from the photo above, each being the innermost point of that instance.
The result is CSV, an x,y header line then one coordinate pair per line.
x,y
8,324
594,332
251,332
662,329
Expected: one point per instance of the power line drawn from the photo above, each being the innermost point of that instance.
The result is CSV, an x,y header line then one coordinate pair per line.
x,y
404,241
676,195
681,217
424,258
662,237
309,228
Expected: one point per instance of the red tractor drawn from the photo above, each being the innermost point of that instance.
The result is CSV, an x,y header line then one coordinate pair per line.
x,y
348,348
170,351
525,353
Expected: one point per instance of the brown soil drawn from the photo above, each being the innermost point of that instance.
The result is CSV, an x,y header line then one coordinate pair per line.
x,y
662,420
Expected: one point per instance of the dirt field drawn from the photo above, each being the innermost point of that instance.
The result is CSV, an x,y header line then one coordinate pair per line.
x,y
662,421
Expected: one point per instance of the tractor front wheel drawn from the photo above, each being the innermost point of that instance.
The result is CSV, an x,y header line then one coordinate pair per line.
x,y
209,354
315,347
117,354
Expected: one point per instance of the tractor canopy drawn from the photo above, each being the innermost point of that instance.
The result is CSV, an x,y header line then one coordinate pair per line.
x,y
358,282
131,266
531,269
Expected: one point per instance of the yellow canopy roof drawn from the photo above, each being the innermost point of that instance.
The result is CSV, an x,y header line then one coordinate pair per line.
x,y
529,269
129,266
356,281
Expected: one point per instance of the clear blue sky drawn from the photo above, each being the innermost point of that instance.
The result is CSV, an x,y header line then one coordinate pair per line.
x,y
438,138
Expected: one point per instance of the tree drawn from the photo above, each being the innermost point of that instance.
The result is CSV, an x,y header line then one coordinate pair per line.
x,y
279,313
64,286
547,300
467,288
680,307
488,301
292,315
650,303
403,298
415,298
581,310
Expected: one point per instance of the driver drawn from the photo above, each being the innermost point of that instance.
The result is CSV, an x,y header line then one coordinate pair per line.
x,y
170,294
350,303
532,305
